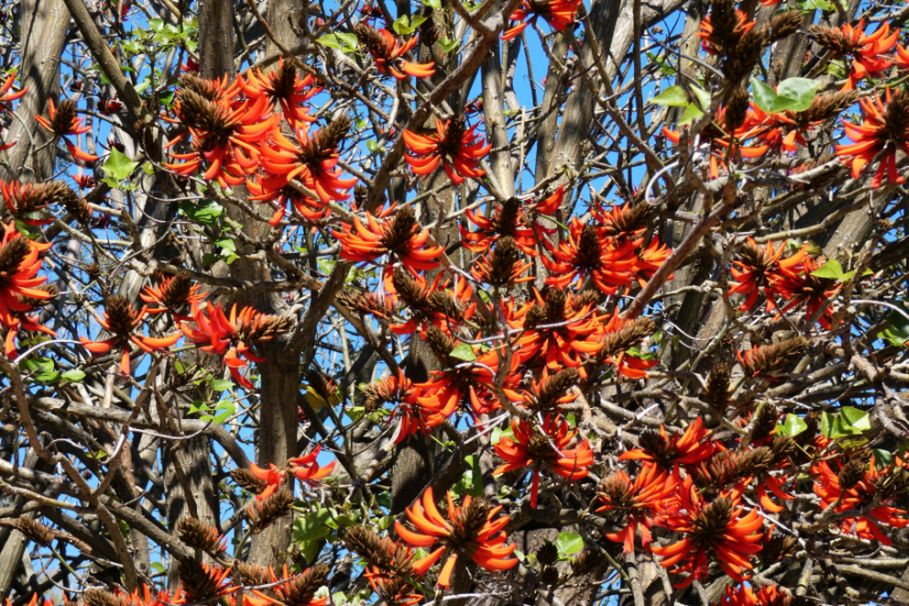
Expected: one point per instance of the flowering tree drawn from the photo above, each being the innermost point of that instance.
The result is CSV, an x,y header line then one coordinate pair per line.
x,y
508,302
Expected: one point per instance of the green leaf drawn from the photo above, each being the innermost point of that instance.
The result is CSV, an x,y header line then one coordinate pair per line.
x,y
463,351
897,333
118,166
855,419
403,25
701,96
792,426
674,96
692,112
830,269
220,385
311,527
447,46
764,96
792,94
73,375
345,42
206,212
569,544
799,93
822,5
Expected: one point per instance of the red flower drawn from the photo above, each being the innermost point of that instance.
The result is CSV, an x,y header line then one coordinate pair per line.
x,y
512,218
312,160
760,269
6,93
746,595
860,489
715,42
231,336
399,235
63,122
472,530
271,476
457,149
282,87
870,52
224,130
884,130
559,14
20,292
719,529
559,331
588,253
121,321
469,383
388,53
551,447
398,391
173,294
636,502
690,448
306,469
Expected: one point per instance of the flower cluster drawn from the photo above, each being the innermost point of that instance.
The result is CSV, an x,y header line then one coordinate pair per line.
x,y
232,130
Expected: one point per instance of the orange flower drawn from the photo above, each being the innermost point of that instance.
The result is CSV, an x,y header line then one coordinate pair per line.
x,y
282,87
398,391
559,14
745,595
6,94
20,262
884,130
588,253
231,336
310,158
718,529
306,469
759,269
457,149
399,236
121,321
869,52
472,530
468,383
717,42
224,130
636,502
551,447
271,476
388,53
510,218
63,122
690,448
559,331
861,489
173,294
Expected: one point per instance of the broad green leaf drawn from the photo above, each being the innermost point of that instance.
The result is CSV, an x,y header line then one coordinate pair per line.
x,y
463,351
569,544
403,25
855,418
692,112
897,332
830,269
206,212
792,426
446,45
345,42
674,96
311,526
799,93
701,96
118,166
221,384
73,375
764,96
